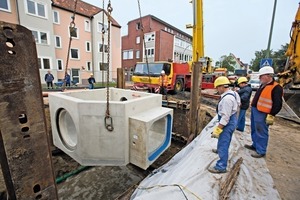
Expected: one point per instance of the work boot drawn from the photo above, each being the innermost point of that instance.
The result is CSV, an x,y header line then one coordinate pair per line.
x,y
257,155
215,151
250,147
216,171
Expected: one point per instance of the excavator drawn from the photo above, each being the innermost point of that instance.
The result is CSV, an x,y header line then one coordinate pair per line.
x,y
289,79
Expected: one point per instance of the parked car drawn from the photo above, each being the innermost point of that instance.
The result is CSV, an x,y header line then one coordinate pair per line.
x,y
254,83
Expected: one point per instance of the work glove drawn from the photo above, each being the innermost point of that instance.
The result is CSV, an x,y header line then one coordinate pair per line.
x,y
270,119
216,133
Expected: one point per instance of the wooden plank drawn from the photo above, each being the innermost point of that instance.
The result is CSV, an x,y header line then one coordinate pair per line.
x,y
228,184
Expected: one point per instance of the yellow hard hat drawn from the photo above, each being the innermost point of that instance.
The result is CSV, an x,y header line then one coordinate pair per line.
x,y
242,80
222,80
92,74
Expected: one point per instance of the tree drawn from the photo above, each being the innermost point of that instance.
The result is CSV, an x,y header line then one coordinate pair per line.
x,y
278,57
226,62
255,63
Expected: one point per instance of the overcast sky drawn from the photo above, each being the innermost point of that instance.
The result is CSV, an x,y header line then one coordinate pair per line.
x,y
240,27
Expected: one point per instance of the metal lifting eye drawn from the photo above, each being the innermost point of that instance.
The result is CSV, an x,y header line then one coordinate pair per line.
x,y
108,123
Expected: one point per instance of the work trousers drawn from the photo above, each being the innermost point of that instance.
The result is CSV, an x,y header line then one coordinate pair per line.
x,y
241,120
259,131
224,142
50,84
91,86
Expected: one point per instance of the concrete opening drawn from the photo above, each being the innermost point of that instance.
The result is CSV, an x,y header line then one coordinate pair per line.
x,y
159,136
66,129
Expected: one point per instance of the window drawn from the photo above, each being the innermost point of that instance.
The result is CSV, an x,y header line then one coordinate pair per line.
x,y
103,66
87,46
59,64
56,17
5,5
44,63
75,53
149,52
35,8
89,66
57,41
101,48
40,37
138,39
138,26
127,54
137,54
102,27
73,32
87,25
149,37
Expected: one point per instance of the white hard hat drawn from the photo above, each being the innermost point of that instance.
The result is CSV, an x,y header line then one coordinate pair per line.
x,y
162,72
266,70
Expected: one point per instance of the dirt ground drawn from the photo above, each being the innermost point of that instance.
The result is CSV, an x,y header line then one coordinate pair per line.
x,y
282,160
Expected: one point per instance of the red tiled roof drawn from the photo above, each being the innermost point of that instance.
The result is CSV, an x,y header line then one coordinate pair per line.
x,y
82,8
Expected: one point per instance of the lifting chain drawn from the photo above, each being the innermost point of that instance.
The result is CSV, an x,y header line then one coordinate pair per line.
x,y
143,37
72,31
108,119
103,33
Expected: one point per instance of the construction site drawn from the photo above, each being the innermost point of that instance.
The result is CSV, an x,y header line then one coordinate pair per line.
x,y
132,141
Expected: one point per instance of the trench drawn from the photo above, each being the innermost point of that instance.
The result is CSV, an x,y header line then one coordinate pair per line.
x,y
122,185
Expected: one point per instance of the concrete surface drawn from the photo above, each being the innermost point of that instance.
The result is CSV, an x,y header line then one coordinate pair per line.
x,y
79,122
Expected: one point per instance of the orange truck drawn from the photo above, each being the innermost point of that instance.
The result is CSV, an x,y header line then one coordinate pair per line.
x,y
146,76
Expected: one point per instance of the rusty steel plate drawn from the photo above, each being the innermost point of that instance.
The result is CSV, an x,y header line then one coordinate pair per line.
x,y
24,148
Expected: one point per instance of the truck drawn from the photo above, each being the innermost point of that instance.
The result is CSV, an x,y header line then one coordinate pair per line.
x,y
146,76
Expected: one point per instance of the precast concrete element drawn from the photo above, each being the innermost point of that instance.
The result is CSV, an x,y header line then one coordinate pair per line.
x,y
78,126
150,135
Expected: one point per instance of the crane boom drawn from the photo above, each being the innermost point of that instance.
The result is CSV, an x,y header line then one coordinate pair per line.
x,y
198,44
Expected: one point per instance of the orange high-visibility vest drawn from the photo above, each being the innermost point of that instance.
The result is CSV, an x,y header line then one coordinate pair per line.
x,y
265,103
163,81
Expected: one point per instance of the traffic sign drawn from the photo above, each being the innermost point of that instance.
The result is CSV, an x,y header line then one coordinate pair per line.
x,y
266,62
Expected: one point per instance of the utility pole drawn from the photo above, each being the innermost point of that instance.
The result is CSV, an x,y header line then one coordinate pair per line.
x,y
271,30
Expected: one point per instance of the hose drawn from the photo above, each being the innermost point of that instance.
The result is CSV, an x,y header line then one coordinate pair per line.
x,y
69,174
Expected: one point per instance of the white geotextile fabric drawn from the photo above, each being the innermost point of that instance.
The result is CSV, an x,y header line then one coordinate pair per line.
x,y
185,176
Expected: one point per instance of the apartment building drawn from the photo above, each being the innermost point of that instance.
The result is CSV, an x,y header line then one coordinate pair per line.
x,y
49,21
163,42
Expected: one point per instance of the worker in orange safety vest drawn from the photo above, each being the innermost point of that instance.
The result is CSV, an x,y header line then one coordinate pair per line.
x,y
163,82
266,103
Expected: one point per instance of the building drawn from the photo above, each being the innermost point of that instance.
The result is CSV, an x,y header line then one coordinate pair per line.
x,y
50,21
163,42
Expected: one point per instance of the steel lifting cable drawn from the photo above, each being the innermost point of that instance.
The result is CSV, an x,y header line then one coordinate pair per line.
x,y
108,119
71,30
143,37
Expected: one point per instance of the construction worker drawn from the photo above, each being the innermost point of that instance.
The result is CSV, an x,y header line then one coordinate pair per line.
x,y
49,79
91,81
266,103
227,114
163,82
245,92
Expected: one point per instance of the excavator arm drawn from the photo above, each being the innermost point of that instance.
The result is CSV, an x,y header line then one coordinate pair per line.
x,y
290,77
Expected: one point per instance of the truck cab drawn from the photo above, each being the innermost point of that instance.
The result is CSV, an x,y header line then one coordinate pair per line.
x,y
146,75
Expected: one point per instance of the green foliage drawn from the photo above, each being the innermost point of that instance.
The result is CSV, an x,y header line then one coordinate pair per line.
x,y
226,62
110,84
278,57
